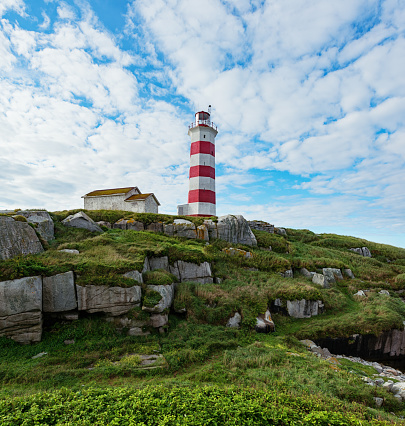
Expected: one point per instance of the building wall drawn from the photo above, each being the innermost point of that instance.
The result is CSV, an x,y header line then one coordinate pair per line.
x,y
116,202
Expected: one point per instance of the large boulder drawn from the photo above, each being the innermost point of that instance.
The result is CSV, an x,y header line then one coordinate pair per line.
x,y
134,275
303,308
235,229
186,271
81,220
167,295
113,301
320,279
17,238
43,221
332,274
212,229
181,228
21,309
59,293
362,251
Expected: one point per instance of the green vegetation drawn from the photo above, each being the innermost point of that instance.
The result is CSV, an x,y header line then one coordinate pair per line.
x,y
199,371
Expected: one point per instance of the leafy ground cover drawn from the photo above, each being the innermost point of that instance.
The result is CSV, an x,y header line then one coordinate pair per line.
x,y
205,373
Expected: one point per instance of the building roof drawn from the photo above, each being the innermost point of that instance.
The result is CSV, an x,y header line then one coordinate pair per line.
x,y
114,191
142,197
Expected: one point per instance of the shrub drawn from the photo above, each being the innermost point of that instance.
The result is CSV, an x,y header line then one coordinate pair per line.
x,y
159,277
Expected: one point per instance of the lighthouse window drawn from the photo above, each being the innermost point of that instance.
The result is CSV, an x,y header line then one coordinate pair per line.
x,y
204,136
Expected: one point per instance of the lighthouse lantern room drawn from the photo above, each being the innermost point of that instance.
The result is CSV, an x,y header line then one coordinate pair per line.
x,y
201,194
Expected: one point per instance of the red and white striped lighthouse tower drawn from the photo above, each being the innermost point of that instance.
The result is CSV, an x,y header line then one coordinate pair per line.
x,y
201,194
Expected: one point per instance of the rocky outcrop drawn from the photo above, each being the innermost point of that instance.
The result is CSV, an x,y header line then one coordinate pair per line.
x,y
17,238
81,220
238,252
329,276
362,251
280,231
134,275
113,301
21,309
129,224
181,228
235,229
167,295
259,225
298,308
264,323
43,221
59,293
234,322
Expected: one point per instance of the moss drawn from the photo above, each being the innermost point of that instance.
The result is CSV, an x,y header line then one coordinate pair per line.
x,y
151,298
159,277
20,218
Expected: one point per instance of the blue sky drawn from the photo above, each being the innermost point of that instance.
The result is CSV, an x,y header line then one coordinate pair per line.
x,y
308,96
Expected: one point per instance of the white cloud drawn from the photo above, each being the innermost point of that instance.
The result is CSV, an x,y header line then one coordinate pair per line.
x,y
16,5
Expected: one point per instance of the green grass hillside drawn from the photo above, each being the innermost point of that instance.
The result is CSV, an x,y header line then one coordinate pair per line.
x,y
205,373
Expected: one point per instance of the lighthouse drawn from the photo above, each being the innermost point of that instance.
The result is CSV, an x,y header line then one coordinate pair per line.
x,y
201,193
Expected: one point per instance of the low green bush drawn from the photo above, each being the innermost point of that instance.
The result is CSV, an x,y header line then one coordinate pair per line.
x,y
159,277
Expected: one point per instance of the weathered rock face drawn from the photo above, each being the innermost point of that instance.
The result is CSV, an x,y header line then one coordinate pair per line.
x,y
21,309
59,293
298,308
17,238
332,274
389,345
348,273
259,225
181,228
45,226
193,272
81,220
202,233
238,252
113,301
362,251
234,322
235,229
320,279
212,229
134,275
167,293
264,323
280,231
129,224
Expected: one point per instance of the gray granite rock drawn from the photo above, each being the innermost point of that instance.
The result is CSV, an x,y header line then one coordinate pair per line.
x,y
305,273
332,274
113,301
59,293
362,251
264,323
303,308
21,309
167,293
202,232
104,223
71,251
235,229
134,275
194,272
159,263
280,231
348,273
43,221
155,227
320,279
234,322
17,238
82,221
159,320
212,229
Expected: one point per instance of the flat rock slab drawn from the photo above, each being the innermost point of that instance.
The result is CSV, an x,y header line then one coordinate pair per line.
x,y
110,300
25,327
59,293
303,308
193,272
17,238
42,219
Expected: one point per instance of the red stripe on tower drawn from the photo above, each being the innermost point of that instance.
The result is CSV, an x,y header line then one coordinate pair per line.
x,y
202,147
203,171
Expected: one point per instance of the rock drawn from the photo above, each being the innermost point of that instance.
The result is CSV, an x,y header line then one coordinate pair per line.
x,y
44,223
17,238
378,401
184,228
386,292
281,231
302,308
212,229
134,225
264,323
379,382
234,322
362,251
159,263
40,355
332,274
104,223
309,343
305,273
193,272
59,293
398,397
155,227
82,221
159,320
348,273
113,301
71,251
233,251
259,225
167,293
120,224
21,309
320,279
235,229
360,293
202,232
288,273
388,385
69,342
137,331
134,275
399,389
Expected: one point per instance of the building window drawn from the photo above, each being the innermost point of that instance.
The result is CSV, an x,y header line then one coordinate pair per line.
x,y
204,136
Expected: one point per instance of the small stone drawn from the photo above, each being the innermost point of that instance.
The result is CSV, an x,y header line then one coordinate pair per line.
x,y
379,382
234,322
40,355
71,251
378,401
386,292
69,342
360,293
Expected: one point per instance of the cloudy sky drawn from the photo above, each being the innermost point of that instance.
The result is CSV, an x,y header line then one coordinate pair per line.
x,y
308,96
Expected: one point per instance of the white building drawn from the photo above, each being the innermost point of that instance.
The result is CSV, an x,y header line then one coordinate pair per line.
x,y
128,199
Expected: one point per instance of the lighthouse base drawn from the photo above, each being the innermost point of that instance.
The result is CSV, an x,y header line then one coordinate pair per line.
x,y
197,209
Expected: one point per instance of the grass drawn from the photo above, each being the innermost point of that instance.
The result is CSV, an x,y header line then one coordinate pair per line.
x,y
208,365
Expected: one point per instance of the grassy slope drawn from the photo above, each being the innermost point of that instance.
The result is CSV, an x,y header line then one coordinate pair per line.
x,y
201,352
